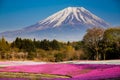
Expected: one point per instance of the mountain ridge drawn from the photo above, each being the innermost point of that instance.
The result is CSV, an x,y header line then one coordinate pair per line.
x,y
69,21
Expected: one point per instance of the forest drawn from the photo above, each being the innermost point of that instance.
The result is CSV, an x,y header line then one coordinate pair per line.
x,y
97,44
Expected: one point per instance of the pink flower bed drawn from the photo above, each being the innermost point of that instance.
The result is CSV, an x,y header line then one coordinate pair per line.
x,y
81,71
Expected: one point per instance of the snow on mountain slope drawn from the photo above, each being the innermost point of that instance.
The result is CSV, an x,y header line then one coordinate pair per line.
x,y
69,23
72,16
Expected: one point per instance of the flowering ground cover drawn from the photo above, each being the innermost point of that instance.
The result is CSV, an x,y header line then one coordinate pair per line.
x,y
71,71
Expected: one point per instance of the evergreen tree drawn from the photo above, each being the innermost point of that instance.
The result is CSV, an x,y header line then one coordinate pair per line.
x,y
45,44
55,45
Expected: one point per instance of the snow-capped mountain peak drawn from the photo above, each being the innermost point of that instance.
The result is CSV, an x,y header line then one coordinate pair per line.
x,y
69,22
71,15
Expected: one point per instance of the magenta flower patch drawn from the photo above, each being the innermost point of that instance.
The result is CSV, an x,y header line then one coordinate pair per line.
x,y
75,71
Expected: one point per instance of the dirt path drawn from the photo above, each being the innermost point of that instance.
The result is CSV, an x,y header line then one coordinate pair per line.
x,y
29,75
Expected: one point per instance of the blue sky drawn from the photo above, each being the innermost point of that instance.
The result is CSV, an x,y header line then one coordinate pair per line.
x,y
17,14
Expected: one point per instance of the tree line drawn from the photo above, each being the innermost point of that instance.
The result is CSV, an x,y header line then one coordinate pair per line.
x,y
97,44
103,44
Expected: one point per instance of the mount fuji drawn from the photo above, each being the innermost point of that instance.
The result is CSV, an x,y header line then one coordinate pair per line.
x,y
69,24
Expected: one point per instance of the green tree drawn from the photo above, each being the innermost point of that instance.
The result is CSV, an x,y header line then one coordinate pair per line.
x,y
78,45
111,40
17,43
45,44
28,45
59,57
31,55
4,48
55,45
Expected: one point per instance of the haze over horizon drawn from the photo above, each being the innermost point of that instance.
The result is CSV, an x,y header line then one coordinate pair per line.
x,y
16,14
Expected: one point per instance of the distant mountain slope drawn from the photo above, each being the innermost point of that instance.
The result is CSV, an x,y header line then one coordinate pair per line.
x,y
68,24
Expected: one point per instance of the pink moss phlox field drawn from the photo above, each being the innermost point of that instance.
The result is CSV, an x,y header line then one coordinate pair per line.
x,y
76,71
